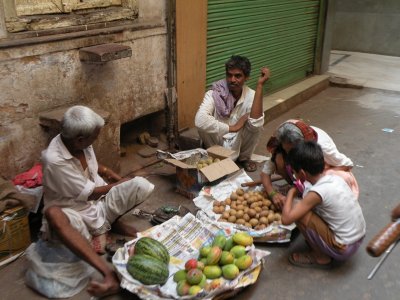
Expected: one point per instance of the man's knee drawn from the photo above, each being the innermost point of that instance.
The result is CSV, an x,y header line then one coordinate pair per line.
x,y
210,139
303,222
55,216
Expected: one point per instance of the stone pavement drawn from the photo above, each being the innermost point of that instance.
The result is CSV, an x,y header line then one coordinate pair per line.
x,y
366,70
355,119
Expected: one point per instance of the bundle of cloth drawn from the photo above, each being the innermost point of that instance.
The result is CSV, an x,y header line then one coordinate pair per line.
x,y
11,197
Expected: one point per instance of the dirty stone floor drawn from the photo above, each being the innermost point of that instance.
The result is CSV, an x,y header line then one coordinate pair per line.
x,y
355,119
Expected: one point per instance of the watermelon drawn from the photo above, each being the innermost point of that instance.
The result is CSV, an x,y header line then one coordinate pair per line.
x,y
147,269
151,247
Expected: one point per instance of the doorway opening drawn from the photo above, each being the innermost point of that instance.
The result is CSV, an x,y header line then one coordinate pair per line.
x,y
139,141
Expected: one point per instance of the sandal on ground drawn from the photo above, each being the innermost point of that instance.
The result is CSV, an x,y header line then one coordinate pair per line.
x,y
307,260
249,165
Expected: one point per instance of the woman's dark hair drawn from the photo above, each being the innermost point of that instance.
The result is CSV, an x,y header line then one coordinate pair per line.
x,y
239,62
307,155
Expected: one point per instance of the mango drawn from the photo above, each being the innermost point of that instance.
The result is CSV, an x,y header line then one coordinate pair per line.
x,y
242,238
229,244
182,288
212,272
214,255
226,258
203,260
200,265
194,290
244,262
194,276
191,264
204,251
203,281
214,284
230,271
180,275
219,241
238,251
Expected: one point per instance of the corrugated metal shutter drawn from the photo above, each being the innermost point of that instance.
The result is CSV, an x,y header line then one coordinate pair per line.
x,y
280,34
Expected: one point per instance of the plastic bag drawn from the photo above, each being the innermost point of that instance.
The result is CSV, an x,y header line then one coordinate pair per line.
x,y
54,271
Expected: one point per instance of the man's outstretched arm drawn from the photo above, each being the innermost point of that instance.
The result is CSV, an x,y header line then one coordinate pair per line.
x,y
257,107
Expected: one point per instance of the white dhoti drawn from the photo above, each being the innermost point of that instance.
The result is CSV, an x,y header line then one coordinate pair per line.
x,y
242,142
98,217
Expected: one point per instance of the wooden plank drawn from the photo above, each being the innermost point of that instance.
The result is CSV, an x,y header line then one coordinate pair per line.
x,y
191,37
36,7
76,5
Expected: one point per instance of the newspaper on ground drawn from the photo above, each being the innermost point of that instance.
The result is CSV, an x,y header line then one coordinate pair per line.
x,y
274,233
183,237
194,154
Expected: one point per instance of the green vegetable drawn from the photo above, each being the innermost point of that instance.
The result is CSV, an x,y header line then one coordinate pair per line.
x,y
151,247
147,269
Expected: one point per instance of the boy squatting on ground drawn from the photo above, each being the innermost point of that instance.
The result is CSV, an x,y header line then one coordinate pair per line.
x,y
285,137
329,216
78,203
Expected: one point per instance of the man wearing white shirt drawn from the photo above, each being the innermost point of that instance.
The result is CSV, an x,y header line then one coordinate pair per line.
x,y
231,114
78,203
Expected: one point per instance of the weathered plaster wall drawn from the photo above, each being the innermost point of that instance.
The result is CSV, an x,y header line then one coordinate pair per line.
x,y
42,77
370,26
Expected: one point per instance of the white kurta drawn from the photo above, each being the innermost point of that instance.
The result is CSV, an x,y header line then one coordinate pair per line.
x,y
68,185
214,130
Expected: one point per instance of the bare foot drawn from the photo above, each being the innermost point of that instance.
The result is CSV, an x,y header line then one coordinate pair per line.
x,y
310,260
109,286
321,258
124,229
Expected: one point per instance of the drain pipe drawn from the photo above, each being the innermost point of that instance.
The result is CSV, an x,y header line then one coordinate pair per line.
x,y
170,93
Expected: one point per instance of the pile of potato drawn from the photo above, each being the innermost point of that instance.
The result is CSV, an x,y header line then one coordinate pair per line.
x,y
206,162
252,209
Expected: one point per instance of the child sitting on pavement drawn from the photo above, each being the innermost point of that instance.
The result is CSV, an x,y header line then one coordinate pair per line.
x,y
329,216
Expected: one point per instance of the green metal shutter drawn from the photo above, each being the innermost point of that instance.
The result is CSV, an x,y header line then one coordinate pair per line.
x,y
280,34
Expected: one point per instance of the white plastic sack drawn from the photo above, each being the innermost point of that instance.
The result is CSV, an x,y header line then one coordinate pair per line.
x,y
54,271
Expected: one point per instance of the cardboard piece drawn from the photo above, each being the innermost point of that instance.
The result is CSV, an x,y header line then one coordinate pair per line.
x,y
14,232
190,180
219,169
220,152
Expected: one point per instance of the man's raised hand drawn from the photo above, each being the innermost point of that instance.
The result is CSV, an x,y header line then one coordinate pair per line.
x,y
264,76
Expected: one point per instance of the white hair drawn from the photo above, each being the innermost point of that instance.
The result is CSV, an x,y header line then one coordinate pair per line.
x,y
289,133
80,121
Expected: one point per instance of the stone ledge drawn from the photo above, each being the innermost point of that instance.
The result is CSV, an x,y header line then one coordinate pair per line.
x,y
345,82
104,53
189,139
274,105
280,102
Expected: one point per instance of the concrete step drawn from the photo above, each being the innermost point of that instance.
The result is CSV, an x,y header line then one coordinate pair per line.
x,y
280,102
274,105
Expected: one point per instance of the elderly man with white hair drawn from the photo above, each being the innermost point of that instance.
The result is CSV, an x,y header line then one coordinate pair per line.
x,y
78,203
